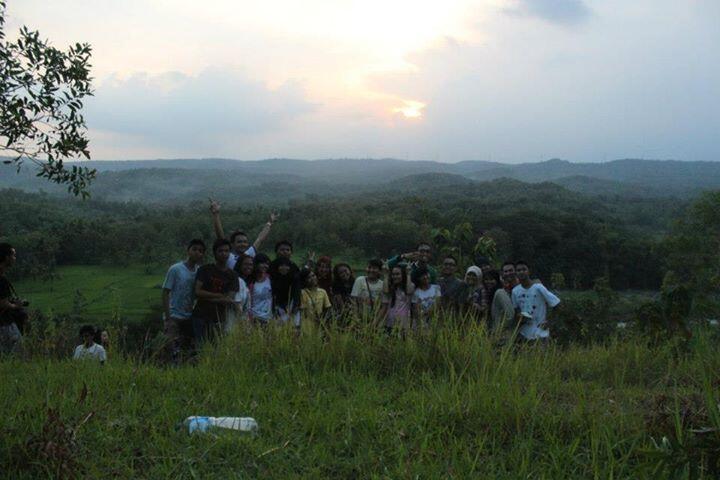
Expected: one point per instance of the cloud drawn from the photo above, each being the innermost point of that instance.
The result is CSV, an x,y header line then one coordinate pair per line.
x,y
194,110
563,12
635,85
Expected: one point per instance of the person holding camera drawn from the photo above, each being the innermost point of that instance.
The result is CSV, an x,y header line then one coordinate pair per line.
x,y
532,301
13,315
421,257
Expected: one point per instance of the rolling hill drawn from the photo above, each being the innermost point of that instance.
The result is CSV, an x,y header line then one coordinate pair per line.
x,y
278,180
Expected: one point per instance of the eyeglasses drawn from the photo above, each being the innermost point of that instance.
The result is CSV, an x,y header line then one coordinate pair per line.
x,y
449,264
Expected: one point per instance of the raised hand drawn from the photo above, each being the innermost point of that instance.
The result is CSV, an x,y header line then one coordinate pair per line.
x,y
412,256
214,206
274,216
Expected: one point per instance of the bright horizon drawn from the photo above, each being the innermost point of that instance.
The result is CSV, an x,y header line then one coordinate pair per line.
x,y
509,81
374,159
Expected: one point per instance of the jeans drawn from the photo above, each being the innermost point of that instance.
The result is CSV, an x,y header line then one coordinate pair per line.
x,y
204,329
10,338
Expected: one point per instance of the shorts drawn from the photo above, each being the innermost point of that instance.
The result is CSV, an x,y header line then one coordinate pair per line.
x,y
177,329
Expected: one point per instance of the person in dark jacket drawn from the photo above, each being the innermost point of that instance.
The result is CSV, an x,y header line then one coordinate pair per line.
x,y
286,290
12,309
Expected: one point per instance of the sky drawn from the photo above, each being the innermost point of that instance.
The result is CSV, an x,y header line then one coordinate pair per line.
x,y
502,80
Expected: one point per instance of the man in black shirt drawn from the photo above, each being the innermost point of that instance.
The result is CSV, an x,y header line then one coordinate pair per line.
x,y
215,289
12,309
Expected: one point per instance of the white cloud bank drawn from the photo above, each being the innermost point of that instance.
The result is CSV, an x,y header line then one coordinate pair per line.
x,y
182,111
509,80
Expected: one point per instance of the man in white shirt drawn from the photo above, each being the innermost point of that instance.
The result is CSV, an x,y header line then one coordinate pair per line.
x,y
531,301
89,350
367,291
240,245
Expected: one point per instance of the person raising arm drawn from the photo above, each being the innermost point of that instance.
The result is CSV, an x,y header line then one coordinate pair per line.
x,y
239,242
421,257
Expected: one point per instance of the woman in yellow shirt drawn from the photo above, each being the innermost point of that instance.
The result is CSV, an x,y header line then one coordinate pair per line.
x,y
315,303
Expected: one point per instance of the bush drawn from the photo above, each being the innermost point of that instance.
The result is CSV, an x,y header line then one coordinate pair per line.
x,y
589,318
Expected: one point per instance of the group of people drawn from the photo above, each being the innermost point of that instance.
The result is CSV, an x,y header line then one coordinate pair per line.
x,y
241,284
404,292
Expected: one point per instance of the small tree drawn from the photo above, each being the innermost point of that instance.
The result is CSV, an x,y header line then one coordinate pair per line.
x,y
693,255
41,96
455,242
486,247
670,314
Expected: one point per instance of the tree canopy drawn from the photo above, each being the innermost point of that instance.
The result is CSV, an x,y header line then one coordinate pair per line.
x,y
42,90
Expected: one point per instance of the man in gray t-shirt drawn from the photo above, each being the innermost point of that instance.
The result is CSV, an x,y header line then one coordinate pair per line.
x,y
179,297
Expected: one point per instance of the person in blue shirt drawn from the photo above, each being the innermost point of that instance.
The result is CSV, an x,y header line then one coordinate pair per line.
x,y
178,298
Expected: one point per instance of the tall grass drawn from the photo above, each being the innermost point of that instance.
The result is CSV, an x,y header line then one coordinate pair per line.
x,y
444,403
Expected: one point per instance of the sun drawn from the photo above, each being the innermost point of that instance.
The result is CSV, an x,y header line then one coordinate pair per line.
x,y
411,109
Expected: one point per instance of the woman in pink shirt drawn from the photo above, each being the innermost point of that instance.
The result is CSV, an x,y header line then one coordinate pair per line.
x,y
397,293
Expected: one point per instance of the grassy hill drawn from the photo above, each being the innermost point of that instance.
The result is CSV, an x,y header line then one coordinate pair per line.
x,y
369,406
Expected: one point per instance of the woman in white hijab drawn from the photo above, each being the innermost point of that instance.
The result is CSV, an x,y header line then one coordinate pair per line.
x,y
473,276
473,283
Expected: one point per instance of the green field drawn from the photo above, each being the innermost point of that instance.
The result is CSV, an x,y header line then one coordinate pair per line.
x,y
129,291
369,406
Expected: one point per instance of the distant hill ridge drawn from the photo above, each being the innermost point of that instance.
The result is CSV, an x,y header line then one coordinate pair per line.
x,y
289,164
673,175
170,180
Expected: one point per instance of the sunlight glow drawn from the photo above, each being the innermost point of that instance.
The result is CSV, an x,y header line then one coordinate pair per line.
x,y
411,109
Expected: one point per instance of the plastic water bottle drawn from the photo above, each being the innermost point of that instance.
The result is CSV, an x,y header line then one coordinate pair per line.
x,y
203,424
197,424
243,424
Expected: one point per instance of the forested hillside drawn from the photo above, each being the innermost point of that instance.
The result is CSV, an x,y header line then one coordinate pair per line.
x,y
581,220
559,231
